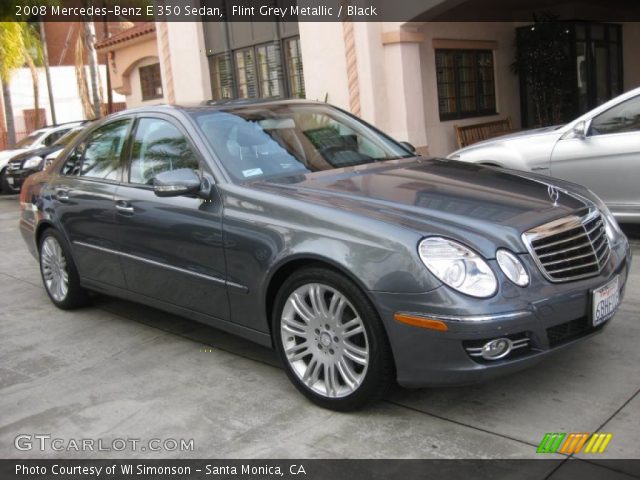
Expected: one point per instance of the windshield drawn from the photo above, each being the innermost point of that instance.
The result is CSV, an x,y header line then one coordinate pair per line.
x,y
29,140
259,141
66,139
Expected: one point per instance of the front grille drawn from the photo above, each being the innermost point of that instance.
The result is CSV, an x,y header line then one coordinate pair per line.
x,y
14,166
571,248
565,332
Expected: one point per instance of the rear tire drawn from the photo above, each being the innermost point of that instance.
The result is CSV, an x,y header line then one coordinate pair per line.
x,y
4,184
331,340
59,273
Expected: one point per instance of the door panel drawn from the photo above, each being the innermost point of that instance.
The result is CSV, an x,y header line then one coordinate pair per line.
x,y
84,202
172,247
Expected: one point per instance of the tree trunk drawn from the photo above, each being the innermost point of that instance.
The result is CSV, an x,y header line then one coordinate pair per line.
x,y
8,113
90,39
36,90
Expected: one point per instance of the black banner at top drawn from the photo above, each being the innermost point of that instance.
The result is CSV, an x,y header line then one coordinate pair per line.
x,y
318,10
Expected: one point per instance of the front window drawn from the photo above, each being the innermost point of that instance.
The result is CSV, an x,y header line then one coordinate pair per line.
x,y
465,83
622,118
158,146
257,142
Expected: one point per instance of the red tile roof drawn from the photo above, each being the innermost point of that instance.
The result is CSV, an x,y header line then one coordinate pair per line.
x,y
128,34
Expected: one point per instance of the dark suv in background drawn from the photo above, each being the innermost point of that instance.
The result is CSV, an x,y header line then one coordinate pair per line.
x,y
32,161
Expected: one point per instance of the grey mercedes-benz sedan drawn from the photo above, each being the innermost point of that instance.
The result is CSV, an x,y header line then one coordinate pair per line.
x,y
298,226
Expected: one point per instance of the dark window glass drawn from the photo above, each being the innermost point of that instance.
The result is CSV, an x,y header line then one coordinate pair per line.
x,y
158,146
151,82
466,86
100,153
221,76
246,73
624,117
293,56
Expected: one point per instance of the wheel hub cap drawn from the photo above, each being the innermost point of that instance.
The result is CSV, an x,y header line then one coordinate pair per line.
x,y
324,339
54,269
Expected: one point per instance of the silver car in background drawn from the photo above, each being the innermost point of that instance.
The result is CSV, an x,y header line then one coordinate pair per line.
x,y
600,150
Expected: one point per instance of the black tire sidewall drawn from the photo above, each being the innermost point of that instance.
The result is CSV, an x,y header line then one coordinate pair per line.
x,y
380,371
76,295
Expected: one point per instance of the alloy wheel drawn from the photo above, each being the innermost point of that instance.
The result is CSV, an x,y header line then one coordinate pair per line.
x,y
324,340
54,269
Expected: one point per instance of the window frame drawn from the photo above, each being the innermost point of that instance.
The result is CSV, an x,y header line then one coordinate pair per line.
x,y
478,112
83,142
144,68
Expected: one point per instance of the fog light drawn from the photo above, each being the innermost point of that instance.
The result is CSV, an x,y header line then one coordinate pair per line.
x,y
496,349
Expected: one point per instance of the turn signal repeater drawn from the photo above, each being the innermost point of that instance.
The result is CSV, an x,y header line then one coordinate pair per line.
x,y
421,322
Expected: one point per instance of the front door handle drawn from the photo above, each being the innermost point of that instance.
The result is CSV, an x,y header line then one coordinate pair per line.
x,y
122,206
62,195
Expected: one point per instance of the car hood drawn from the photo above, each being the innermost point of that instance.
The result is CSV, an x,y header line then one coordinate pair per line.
x,y
487,207
555,131
7,155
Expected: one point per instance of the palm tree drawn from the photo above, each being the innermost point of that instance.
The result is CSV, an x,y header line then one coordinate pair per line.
x,y
19,45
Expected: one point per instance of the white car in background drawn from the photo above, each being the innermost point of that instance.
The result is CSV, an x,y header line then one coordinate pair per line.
x,y
600,150
42,137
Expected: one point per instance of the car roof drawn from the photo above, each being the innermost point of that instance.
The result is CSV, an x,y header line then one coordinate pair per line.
x,y
213,105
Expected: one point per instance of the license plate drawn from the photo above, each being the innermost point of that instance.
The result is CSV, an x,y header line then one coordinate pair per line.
x,y
605,301
10,180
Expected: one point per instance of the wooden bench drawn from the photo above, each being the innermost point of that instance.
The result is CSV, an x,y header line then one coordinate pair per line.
x,y
468,134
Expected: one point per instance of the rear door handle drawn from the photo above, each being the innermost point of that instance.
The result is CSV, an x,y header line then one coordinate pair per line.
x,y
62,195
122,206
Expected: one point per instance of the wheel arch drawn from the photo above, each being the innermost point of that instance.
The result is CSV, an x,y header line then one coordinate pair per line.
x,y
291,264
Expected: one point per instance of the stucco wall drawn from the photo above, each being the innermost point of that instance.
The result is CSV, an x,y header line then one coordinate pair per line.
x,y
324,63
440,135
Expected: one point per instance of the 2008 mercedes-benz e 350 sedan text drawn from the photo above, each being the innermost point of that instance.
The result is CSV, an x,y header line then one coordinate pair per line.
x,y
296,225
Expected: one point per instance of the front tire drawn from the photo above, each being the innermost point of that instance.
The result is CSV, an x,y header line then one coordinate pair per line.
x,y
331,340
59,274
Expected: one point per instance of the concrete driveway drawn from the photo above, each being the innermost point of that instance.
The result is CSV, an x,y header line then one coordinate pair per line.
x,y
120,370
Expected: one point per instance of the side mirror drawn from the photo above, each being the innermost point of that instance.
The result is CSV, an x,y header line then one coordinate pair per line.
x,y
408,146
174,183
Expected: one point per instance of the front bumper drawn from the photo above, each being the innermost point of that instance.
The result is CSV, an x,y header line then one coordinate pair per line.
x,y
552,316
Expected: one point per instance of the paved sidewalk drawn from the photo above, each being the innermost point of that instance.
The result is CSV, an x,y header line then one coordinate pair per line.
x,y
121,370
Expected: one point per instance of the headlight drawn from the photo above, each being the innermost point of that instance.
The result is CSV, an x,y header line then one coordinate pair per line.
x,y
610,223
32,162
458,266
512,267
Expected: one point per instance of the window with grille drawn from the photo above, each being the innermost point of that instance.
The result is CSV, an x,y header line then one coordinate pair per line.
x,y
221,76
247,83
259,71
466,86
151,82
295,75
